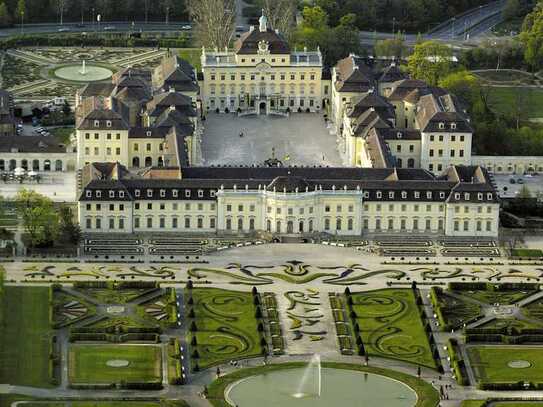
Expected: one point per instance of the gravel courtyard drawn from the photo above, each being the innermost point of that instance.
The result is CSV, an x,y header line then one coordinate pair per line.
x,y
301,139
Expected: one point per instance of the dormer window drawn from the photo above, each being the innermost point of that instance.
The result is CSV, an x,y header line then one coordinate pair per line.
x,y
174,193
466,196
108,123
453,126
121,194
366,194
149,193
213,194
97,123
98,194
457,196
441,126
480,196
187,193
149,133
442,195
112,194
404,195
137,193
489,196
379,194
417,194
391,195
162,193
88,194
200,193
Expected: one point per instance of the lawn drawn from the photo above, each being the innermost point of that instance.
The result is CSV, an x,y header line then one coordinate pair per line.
x,y
501,323
88,364
25,337
7,399
527,253
474,403
192,55
226,325
505,100
504,297
490,363
114,296
390,326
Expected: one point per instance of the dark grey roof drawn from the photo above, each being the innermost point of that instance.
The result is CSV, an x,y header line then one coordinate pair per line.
x,y
98,119
247,44
30,144
398,134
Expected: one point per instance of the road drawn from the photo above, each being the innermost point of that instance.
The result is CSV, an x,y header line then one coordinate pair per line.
x,y
468,25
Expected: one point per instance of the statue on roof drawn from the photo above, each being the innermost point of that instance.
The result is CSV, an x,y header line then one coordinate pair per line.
x,y
263,21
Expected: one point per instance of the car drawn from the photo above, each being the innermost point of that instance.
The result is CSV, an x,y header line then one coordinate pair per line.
x,y
512,181
63,30
109,28
186,27
520,181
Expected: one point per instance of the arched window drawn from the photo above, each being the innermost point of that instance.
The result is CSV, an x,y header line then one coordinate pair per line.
x,y
326,224
350,224
47,165
268,225
12,165
160,162
36,165
310,225
290,227
148,161
338,223
2,165
240,223
301,226
411,163
24,164
399,162
58,165
278,226
136,162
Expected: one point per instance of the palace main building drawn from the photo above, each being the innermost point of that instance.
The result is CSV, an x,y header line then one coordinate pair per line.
x,y
408,146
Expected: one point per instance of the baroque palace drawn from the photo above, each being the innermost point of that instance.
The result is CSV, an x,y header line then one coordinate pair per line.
x,y
407,145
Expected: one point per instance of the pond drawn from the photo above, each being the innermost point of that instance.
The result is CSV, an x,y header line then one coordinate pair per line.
x,y
345,388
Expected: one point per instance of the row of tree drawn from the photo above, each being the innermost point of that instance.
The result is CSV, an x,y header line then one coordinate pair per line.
x,y
86,11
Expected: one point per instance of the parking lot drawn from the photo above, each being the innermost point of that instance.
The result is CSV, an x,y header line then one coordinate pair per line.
x,y
301,139
506,189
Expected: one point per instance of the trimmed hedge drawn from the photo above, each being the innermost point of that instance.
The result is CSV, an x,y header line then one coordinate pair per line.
x,y
457,363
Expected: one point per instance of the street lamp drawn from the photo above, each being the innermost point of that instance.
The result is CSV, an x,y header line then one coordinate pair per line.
x,y
393,24
22,21
167,15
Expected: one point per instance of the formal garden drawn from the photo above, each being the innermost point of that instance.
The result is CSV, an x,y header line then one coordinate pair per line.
x,y
224,325
7,399
390,323
507,367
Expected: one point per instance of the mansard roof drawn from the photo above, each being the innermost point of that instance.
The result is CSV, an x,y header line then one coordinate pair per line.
x,y
247,44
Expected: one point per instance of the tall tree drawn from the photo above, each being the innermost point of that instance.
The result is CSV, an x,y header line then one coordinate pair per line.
x,y
215,21
40,220
532,37
430,62
4,15
314,31
281,15
391,47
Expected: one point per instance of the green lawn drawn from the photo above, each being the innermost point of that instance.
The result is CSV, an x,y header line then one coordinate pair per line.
x,y
505,297
500,323
473,403
518,404
88,363
490,363
390,326
63,133
192,55
504,99
227,328
527,253
25,337
7,399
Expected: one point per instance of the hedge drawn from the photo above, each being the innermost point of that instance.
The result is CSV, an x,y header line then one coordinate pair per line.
x,y
457,363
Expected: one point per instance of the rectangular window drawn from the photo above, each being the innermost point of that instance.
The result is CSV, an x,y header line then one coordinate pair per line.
x,y
187,223
174,223
212,223
111,223
149,223
200,223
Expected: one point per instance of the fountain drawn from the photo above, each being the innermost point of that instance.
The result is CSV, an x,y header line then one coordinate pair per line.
x,y
343,387
312,371
83,70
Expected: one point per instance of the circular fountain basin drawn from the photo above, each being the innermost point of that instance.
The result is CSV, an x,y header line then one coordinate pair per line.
x,y
346,388
92,73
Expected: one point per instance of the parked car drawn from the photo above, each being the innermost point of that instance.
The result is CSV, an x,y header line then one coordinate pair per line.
x,y
520,181
512,181
109,28
63,30
186,27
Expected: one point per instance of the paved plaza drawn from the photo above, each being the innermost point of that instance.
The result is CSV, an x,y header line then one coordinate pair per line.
x,y
301,139
57,186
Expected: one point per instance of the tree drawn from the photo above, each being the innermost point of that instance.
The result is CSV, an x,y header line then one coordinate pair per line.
x,y
39,218
66,109
430,62
214,20
463,84
342,41
69,230
21,8
532,37
313,32
391,48
281,15
512,9
4,15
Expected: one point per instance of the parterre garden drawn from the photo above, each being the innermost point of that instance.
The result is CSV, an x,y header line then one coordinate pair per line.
x,y
224,325
390,323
